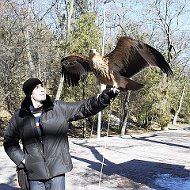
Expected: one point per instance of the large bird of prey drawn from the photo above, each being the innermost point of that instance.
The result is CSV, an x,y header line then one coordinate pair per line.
x,y
116,68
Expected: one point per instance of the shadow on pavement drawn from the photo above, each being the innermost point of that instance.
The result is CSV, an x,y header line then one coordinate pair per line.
x,y
7,187
160,142
139,171
10,185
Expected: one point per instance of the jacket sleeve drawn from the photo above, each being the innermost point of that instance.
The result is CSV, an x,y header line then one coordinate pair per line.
x,y
11,142
82,109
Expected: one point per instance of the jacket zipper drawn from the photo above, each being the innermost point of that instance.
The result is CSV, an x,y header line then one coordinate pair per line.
x,y
41,142
41,149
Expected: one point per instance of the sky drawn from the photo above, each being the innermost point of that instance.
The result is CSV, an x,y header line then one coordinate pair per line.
x,y
135,9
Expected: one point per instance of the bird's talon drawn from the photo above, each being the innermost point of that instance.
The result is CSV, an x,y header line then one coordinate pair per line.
x,y
115,90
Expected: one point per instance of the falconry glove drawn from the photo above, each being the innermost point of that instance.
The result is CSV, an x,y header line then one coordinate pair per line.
x,y
108,94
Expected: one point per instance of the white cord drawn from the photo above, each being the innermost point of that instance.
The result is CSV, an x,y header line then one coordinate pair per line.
x,y
101,172
105,145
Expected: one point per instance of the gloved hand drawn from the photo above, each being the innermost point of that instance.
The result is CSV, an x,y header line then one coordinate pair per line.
x,y
21,166
108,94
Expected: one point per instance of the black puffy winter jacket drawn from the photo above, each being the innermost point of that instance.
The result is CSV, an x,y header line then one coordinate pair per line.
x,y
50,157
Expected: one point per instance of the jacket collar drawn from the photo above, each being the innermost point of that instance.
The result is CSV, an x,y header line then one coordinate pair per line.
x,y
26,103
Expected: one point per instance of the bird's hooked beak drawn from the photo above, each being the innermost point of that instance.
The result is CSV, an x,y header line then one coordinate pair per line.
x,y
92,50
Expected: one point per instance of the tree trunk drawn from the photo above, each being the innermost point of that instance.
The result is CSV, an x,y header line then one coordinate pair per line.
x,y
69,13
60,87
125,106
32,70
180,105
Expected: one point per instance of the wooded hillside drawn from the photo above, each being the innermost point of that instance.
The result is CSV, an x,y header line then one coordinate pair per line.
x,y
35,36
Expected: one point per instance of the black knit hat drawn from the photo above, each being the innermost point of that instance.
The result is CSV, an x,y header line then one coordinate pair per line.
x,y
29,86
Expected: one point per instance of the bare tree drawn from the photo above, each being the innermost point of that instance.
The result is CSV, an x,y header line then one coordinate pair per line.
x,y
179,108
125,98
32,70
69,9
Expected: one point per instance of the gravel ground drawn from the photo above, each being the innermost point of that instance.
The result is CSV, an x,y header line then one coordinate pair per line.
x,y
152,161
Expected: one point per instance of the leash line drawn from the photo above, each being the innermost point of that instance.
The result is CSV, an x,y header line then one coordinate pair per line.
x,y
105,145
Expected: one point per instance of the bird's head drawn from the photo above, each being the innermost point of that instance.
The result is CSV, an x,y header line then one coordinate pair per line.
x,y
95,57
92,53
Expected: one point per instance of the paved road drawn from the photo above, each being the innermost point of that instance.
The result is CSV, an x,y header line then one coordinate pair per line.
x,y
153,161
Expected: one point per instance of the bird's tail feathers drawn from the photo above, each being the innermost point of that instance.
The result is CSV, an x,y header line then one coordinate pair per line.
x,y
128,84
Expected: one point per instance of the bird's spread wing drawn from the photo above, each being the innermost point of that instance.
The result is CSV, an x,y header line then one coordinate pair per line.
x,y
131,56
74,67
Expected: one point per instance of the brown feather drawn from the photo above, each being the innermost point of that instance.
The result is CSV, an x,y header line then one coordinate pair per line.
x,y
74,67
131,56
